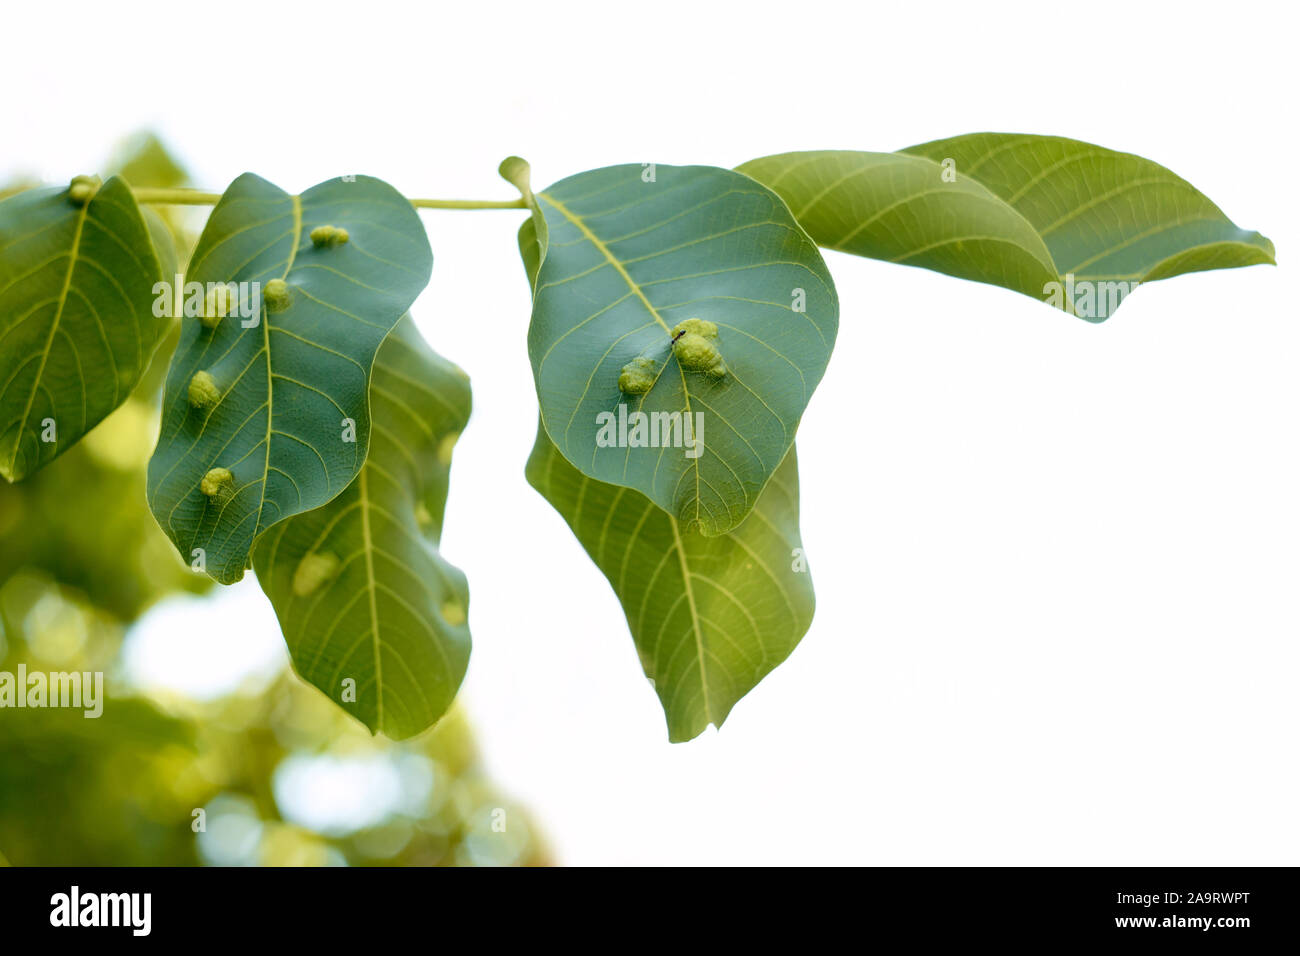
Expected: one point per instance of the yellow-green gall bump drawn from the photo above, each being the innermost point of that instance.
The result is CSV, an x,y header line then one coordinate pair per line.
x,y
203,391
453,612
445,446
217,305
82,189
276,295
638,376
326,236
217,483
314,570
695,343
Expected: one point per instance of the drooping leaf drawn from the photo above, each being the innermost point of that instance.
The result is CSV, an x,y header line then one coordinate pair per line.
x,y
360,588
77,327
1065,222
269,410
710,616
625,259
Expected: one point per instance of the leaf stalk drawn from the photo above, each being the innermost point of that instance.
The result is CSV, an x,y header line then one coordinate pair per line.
x,y
194,197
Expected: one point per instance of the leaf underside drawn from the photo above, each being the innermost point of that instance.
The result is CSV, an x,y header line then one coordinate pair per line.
x,y
77,328
1019,211
710,616
359,586
292,381
622,262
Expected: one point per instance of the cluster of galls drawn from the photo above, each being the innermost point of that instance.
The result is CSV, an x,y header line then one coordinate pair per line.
x,y
328,236
203,392
694,343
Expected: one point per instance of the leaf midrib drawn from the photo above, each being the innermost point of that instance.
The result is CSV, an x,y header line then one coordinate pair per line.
x,y
368,547
637,291
266,347
695,615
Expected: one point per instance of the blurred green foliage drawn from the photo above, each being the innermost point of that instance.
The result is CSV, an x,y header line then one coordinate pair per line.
x,y
124,788
174,781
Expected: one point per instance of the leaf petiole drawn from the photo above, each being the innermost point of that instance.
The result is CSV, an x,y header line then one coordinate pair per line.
x,y
193,197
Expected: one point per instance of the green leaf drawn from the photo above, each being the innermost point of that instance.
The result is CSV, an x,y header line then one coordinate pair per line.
x,y
710,616
77,327
1068,223
142,160
358,584
275,398
623,261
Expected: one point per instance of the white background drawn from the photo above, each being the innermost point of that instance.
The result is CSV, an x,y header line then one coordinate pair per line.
x,y
1056,563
